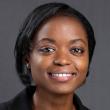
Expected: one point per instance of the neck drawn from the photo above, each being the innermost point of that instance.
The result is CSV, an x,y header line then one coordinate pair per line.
x,y
43,100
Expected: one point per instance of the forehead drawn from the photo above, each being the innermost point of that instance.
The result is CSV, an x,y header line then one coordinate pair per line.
x,y
62,27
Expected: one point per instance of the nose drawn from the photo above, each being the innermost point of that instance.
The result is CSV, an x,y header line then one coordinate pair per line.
x,y
62,59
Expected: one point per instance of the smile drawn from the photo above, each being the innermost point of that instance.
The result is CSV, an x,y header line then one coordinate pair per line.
x,y
62,76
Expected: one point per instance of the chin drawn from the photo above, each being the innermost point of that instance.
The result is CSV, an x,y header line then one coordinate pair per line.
x,y
62,90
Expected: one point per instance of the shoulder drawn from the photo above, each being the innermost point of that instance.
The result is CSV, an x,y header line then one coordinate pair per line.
x,y
78,103
3,106
11,104
21,101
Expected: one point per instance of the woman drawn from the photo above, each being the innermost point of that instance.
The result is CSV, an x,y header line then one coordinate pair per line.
x,y
53,52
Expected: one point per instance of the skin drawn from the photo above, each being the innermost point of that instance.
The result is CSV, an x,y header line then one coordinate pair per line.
x,y
60,45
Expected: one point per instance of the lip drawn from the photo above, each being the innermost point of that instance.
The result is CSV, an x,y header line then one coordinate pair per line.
x,y
62,76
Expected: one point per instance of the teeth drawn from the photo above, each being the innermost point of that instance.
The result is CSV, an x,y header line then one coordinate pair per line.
x,y
61,75
64,74
69,74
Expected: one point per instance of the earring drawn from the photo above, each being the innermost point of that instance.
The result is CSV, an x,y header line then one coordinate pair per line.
x,y
26,69
27,65
28,73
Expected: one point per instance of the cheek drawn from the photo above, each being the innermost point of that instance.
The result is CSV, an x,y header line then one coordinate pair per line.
x,y
39,64
82,65
37,67
35,61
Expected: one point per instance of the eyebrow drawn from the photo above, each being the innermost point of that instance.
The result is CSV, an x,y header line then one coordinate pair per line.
x,y
77,40
47,40
53,41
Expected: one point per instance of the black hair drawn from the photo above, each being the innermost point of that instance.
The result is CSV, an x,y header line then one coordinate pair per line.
x,y
32,24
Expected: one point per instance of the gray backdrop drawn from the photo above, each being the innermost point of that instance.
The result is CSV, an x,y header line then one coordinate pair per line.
x,y
95,94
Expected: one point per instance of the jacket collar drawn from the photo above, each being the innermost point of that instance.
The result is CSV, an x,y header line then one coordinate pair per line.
x,y
23,101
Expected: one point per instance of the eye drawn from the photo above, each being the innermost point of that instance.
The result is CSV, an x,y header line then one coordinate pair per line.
x,y
46,50
77,51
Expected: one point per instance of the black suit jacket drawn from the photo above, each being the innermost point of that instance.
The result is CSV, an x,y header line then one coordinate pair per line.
x,y
23,101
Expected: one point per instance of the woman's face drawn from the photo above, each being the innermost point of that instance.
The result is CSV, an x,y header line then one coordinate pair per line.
x,y
59,59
